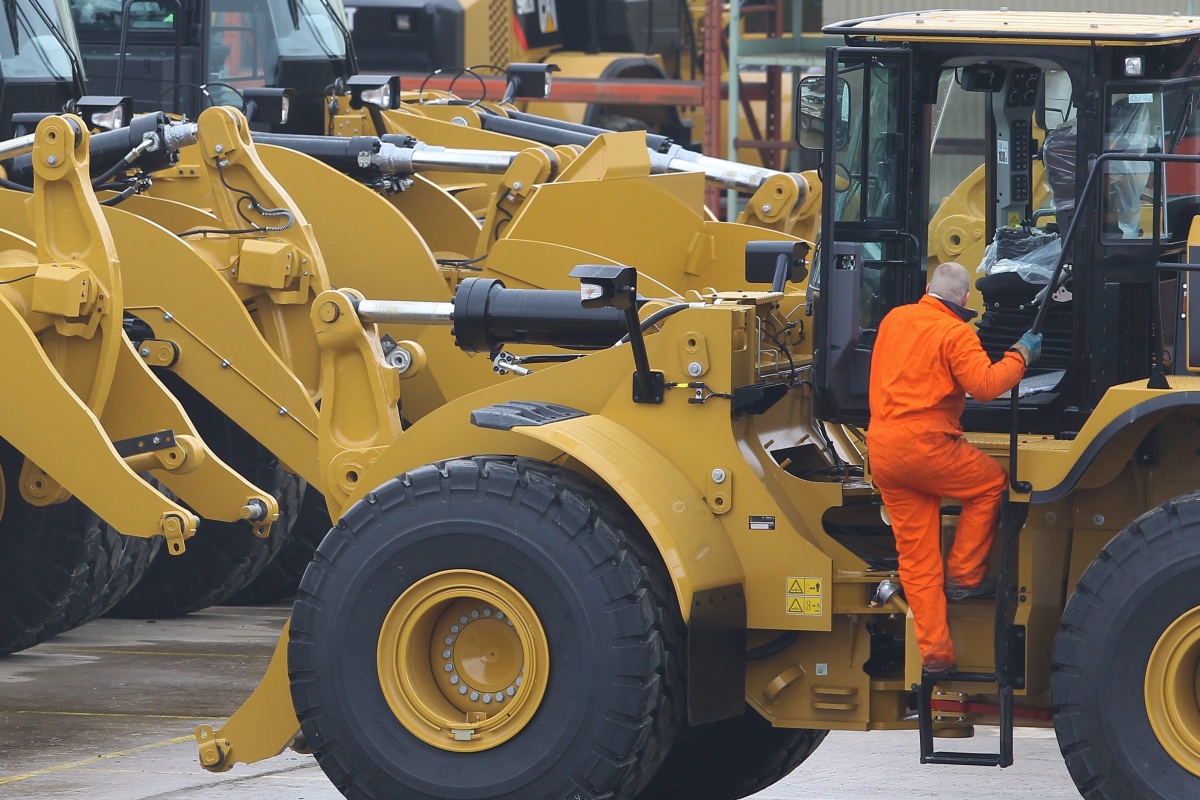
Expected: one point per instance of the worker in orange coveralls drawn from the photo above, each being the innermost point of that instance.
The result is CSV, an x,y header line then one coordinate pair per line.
x,y
926,359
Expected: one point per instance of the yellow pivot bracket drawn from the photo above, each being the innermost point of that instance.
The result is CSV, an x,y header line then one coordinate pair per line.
x,y
264,725
359,415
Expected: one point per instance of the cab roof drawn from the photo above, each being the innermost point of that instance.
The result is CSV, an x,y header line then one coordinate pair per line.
x,y
1080,28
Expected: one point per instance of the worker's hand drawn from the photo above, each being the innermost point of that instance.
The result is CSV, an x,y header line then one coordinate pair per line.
x,y
1029,346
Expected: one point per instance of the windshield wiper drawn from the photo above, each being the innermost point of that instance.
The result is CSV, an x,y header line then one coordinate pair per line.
x,y
1183,121
351,58
76,67
10,13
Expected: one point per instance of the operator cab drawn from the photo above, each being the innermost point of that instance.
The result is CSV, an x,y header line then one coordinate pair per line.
x,y
186,56
944,139
39,64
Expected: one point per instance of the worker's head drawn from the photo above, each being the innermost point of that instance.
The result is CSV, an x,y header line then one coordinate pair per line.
x,y
952,282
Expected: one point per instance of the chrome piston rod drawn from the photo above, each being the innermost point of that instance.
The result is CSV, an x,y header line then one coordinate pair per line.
x,y
12,148
405,312
431,158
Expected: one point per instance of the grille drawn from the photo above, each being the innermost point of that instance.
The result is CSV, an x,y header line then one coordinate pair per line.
x,y
498,31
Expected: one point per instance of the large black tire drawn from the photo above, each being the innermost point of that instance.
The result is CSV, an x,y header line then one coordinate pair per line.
x,y
61,566
222,557
120,562
730,759
580,561
281,579
1143,580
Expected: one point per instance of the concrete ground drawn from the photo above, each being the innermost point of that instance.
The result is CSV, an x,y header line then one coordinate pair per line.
x,y
106,712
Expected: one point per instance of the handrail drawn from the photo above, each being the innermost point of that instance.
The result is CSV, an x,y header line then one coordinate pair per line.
x,y
126,23
1158,379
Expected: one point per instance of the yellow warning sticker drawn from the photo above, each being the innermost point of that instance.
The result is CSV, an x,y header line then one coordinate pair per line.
x,y
803,596
1014,220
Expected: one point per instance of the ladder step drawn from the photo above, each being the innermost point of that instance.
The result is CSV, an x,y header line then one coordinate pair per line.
x,y
963,759
960,677
925,722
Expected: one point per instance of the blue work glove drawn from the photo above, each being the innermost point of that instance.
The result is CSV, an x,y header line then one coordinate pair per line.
x,y
1029,346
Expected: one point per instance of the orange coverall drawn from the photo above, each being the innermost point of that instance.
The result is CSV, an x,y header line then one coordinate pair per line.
x,y
925,360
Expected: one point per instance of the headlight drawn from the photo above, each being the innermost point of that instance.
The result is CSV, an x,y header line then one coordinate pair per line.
x,y
379,91
105,113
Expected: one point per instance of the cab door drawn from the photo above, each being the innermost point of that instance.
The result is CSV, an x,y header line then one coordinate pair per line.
x,y
872,233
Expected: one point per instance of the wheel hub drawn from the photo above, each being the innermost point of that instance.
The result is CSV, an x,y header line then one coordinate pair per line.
x,y
1172,690
479,655
462,660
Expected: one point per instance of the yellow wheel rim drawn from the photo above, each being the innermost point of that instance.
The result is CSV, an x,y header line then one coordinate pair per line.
x,y
1173,690
462,660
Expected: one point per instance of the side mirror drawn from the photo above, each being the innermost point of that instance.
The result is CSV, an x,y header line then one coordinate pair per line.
x,y
810,113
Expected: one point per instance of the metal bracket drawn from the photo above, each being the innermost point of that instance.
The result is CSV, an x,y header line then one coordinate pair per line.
x,y
161,440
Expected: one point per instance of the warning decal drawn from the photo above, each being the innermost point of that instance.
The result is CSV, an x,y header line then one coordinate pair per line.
x,y
548,16
803,597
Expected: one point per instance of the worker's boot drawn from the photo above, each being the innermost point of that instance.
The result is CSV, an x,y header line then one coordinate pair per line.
x,y
985,588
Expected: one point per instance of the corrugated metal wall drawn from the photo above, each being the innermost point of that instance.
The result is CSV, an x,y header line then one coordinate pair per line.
x,y
836,10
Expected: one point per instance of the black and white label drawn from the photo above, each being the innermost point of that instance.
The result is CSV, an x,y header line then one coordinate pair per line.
x,y
762,523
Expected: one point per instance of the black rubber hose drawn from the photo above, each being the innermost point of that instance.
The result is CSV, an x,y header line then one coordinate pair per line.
x,y
773,647
657,317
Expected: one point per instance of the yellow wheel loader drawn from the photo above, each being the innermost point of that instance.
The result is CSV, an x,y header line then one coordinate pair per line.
x,y
550,587
251,54
337,207
83,415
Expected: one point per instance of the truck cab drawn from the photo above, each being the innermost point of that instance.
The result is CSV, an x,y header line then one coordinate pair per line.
x,y
186,56
39,64
928,120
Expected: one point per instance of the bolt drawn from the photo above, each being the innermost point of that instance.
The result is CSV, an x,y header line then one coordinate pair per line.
x,y
282,411
459,121
168,316
330,312
694,369
224,363
1098,520
145,351
399,358
517,186
766,208
718,475
220,148
157,440
52,160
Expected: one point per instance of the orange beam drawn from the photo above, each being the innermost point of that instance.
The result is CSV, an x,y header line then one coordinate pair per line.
x,y
713,26
605,91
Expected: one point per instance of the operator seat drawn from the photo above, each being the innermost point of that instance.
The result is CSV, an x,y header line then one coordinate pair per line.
x,y
1059,161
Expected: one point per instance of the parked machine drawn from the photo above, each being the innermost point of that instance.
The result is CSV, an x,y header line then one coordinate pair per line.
x,y
630,39
604,578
